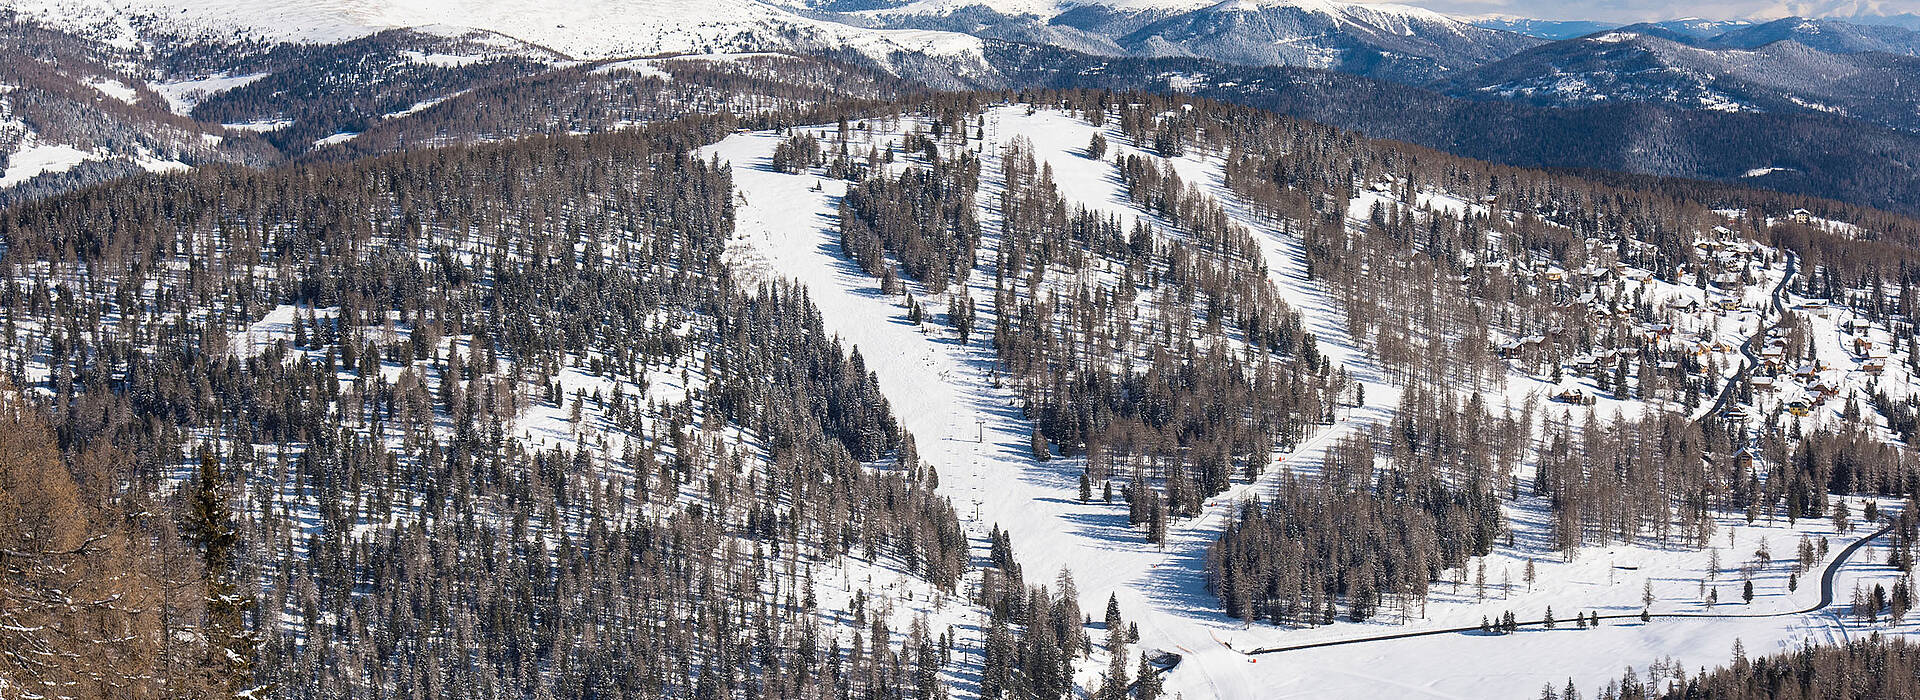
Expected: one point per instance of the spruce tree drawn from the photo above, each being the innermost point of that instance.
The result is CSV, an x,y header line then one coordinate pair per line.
x,y
1157,527
1148,678
209,526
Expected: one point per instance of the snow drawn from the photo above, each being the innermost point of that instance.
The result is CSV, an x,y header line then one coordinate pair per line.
x,y
642,67
183,95
1396,14
260,126
969,429
156,164
1396,18
341,137
115,89
440,59
35,159
725,57
271,329
422,105
963,425
584,29
974,434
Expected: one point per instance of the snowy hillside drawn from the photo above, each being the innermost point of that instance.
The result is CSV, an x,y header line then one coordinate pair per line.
x,y
942,350
972,431
583,30
1395,42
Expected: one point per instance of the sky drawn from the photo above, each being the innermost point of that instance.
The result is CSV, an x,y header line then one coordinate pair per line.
x,y
1652,10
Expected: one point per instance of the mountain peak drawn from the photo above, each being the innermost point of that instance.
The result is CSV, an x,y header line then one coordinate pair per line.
x,y
584,29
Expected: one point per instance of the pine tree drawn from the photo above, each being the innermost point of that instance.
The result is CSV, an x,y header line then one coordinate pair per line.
x,y
997,669
1115,684
1139,499
1901,601
1149,680
1039,446
1180,491
209,526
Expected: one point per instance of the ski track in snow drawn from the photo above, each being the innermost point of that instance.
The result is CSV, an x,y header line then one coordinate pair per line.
x,y
975,435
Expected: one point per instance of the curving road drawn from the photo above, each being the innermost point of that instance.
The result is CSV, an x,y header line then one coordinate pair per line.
x,y
1750,349
1826,600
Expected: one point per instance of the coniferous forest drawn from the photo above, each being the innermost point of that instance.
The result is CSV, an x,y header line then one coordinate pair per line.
x,y
488,400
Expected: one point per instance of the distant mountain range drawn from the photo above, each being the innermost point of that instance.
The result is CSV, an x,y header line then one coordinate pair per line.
x,y
1762,68
1488,87
1394,42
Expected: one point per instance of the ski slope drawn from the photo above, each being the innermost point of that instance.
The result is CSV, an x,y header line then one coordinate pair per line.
x,y
974,434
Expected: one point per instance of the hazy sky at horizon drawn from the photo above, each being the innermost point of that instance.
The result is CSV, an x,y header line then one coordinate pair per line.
x,y
1653,10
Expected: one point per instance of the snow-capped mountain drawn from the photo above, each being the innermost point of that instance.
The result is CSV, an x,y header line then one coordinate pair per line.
x,y
1646,65
1825,35
1395,42
583,30
1698,28
1390,41
1543,28
1833,9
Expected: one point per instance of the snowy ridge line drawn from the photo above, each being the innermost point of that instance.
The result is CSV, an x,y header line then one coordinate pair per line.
x,y
1826,599
584,29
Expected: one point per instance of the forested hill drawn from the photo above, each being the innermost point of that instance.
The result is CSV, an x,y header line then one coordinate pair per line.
x,y
1808,154
493,419
790,405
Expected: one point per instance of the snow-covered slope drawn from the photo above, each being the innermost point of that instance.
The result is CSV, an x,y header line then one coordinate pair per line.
x,y
968,427
1825,35
1392,41
1396,42
70,115
578,28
